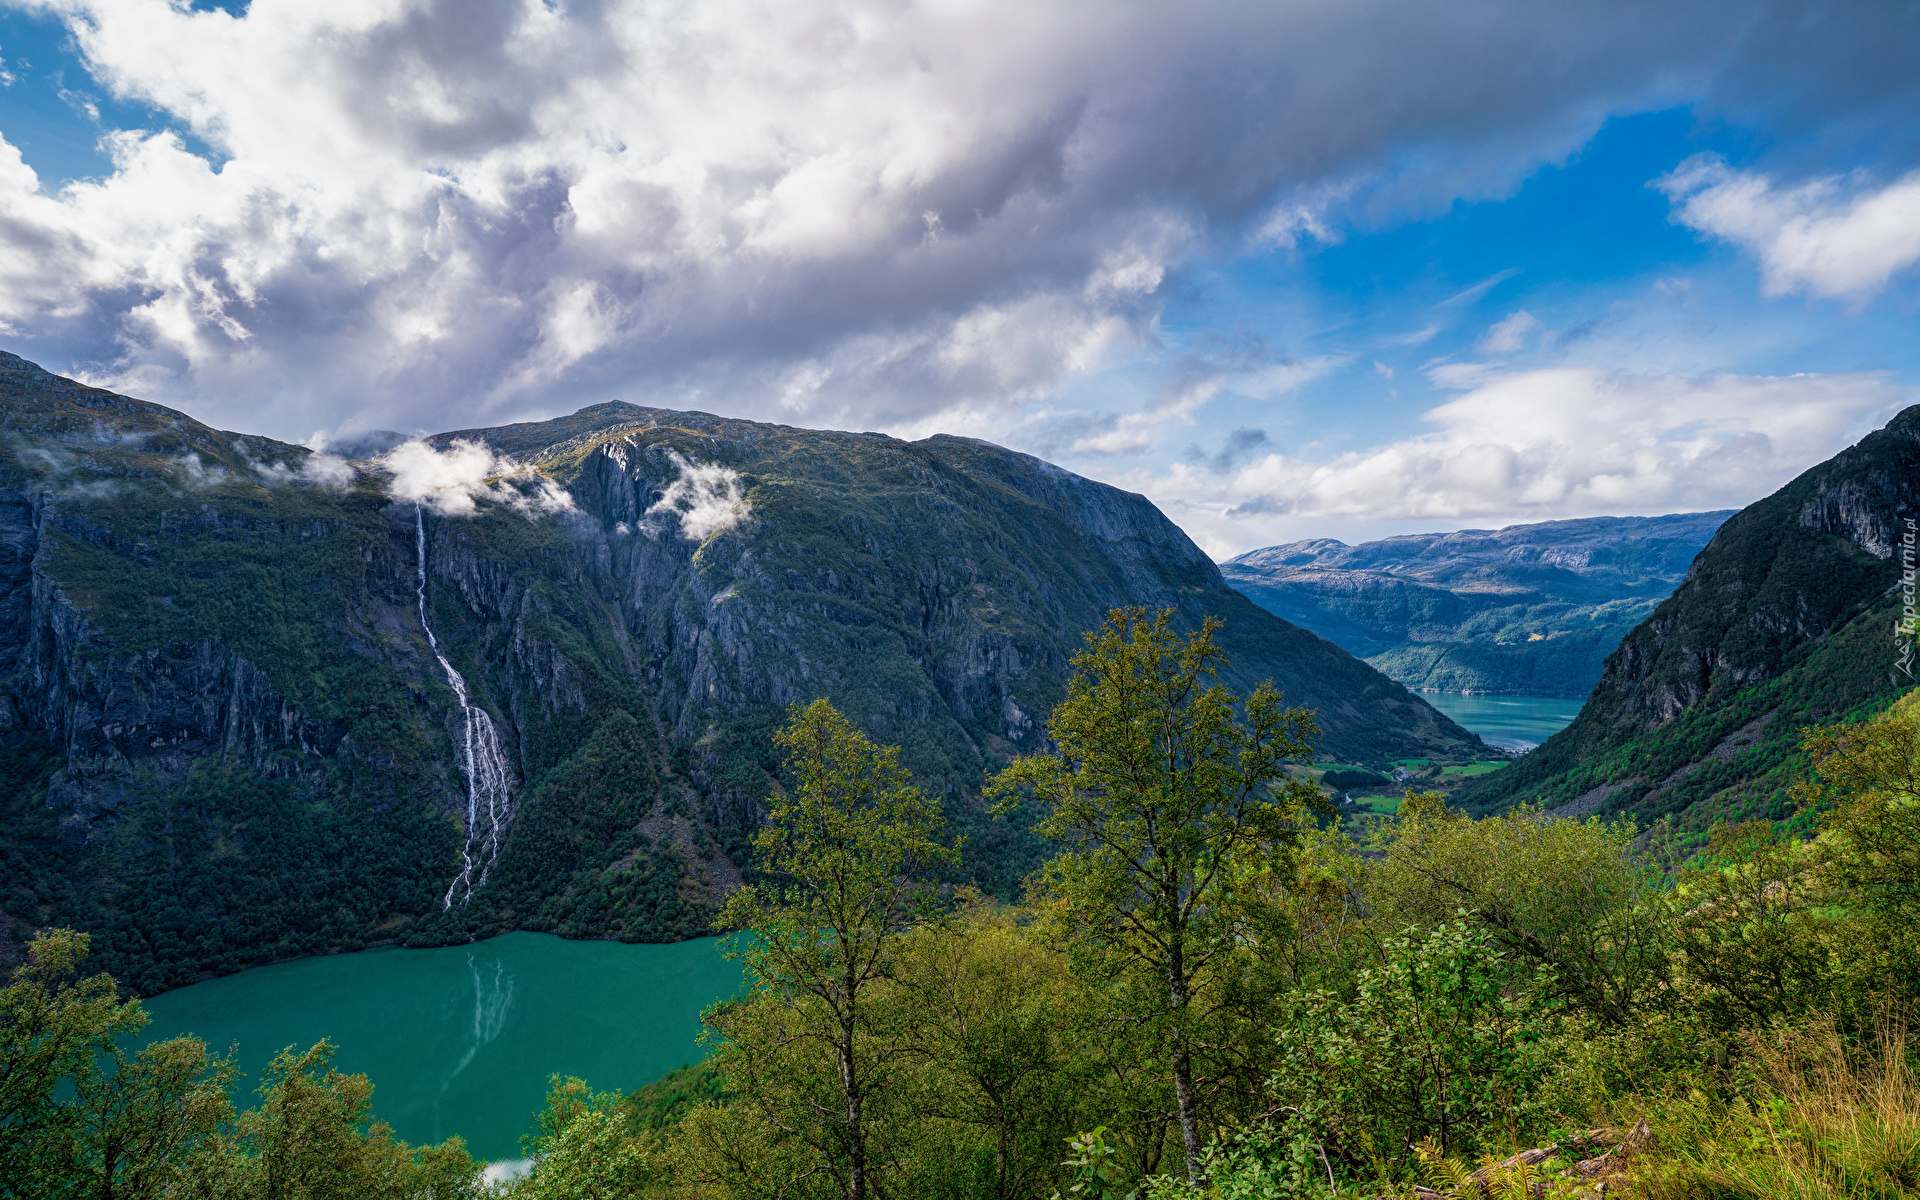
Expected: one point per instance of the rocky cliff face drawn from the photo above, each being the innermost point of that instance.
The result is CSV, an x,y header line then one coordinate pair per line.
x,y
1785,619
228,735
1529,608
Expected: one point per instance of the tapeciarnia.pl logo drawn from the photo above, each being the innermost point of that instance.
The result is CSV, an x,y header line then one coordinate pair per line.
x,y
1906,626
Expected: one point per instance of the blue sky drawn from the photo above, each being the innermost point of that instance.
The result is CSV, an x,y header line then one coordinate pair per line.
x,y
1587,247
1290,271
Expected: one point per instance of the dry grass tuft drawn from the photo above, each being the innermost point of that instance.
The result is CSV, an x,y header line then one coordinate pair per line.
x,y
1821,1122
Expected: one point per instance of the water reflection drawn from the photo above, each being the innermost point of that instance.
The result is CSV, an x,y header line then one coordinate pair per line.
x,y
492,999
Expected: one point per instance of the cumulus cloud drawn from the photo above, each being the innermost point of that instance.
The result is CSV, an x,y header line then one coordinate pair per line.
x,y
861,211
454,481
1829,237
706,497
1542,444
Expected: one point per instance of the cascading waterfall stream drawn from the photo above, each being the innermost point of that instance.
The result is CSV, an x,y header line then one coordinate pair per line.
x,y
489,792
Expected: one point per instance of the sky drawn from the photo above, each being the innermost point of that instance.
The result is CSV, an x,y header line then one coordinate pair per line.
x,y
1291,269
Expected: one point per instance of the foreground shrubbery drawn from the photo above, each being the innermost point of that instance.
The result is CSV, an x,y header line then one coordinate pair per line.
x,y
1204,994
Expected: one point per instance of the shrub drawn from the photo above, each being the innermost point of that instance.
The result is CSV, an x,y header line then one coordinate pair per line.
x,y
1436,1042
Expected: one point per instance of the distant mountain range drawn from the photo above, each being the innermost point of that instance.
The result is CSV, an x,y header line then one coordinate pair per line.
x,y
1531,609
256,702
1788,618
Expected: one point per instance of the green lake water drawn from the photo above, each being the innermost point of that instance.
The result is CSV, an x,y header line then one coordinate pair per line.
x,y
462,1039
1509,722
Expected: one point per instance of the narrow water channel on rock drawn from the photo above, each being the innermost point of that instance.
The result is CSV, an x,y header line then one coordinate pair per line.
x,y
462,1039
489,781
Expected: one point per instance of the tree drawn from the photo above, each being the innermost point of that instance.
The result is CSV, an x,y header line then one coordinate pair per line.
x,y
52,1027
1442,1039
143,1126
1573,896
850,845
991,1013
1865,786
69,1127
584,1148
1170,806
312,1138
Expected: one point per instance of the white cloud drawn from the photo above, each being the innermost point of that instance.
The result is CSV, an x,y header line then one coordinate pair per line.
x,y
1830,237
426,212
318,469
1539,445
707,498
1511,335
325,470
453,481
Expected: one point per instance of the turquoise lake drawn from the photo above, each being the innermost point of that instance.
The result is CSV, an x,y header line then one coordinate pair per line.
x,y
1509,722
462,1039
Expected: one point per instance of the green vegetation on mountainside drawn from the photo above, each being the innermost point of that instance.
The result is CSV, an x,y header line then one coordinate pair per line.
x,y
217,639
222,870
594,851
1523,651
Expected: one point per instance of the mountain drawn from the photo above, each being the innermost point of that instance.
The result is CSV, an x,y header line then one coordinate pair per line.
x,y
1787,619
1530,609
253,706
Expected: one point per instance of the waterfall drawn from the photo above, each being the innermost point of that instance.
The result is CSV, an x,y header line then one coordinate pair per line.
x,y
489,794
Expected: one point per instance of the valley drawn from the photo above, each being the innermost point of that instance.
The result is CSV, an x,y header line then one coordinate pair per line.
x,y
407,752
1525,610
1789,618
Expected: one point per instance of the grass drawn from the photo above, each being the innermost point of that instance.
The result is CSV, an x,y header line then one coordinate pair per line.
x,y
1821,1120
1479,768
1383,805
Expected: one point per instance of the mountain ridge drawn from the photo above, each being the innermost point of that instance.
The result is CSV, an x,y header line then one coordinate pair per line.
x,y
213,662
1529,608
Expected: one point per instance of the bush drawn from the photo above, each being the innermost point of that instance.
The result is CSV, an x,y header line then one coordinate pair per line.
x,y
1442,1041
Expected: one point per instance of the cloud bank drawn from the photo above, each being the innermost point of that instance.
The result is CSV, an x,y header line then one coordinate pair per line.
x,y
427,212
1535,445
